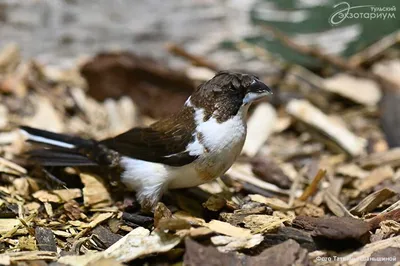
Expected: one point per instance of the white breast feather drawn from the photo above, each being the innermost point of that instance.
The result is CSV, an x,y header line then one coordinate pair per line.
x,y
150,179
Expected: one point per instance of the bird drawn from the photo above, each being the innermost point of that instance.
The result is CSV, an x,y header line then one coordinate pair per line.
x,y
193,146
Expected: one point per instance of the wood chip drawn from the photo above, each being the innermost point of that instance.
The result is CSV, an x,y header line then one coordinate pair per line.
x,y
45,239
228,229
68,194
84,260
14,166
274,203
334,228
139,219
312,116
259,126
386,229
7,224
122,115
285,233
359,90
308,209
359,257
372,201
229,244
214,203
27,243
200,232
107,237
73,210
161,212
139,242
104,262
3,119
95,193
335,206
46,196
262,223
45,112
197,254
14,257
352,170
173,224
195,221
390,158
375,222
271,172
101,217
64,234
243,172
22,186
376,177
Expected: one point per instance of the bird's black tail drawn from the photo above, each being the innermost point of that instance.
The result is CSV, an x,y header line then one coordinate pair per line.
x,y
58,149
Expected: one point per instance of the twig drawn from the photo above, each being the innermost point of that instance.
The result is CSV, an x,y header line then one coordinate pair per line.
x,y
310,190
194,59
53,178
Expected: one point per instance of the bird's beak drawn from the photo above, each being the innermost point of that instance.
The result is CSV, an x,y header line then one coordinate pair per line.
x,y
256,90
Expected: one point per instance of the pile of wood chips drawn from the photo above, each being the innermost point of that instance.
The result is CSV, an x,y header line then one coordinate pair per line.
x,y
317,182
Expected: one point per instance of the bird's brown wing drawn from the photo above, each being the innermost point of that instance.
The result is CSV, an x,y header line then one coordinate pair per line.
x,y
149,144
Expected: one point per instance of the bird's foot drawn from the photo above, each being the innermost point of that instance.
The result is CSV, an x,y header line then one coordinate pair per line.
x,y
149,197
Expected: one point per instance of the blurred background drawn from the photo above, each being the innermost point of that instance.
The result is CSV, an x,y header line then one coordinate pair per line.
x,y
52,30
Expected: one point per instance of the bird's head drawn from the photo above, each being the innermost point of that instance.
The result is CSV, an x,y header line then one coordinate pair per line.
x,y
227,93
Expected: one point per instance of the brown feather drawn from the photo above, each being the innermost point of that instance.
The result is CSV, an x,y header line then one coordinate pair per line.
x,y
163,142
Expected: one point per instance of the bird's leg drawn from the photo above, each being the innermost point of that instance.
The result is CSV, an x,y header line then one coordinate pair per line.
x,y
149,196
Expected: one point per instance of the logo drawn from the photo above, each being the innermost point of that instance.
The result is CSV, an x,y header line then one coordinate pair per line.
x,y
370,12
